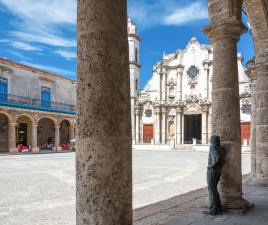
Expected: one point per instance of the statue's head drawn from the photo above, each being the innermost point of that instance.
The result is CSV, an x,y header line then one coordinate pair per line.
x,y
215,140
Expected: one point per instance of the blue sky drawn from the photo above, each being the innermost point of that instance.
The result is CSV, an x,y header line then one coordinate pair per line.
x,y
43,33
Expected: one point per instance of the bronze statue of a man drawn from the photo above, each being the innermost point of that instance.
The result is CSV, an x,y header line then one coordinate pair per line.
x,y
215,163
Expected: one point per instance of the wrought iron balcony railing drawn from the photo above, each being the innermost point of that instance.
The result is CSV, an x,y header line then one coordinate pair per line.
x,y
35,104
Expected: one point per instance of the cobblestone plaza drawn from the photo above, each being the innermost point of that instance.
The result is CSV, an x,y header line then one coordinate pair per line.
x,y
40,189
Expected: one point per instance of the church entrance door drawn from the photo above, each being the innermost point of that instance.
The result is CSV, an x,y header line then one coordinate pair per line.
x,y
192,128
148,133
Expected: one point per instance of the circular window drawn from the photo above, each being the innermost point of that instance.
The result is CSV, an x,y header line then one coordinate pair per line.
x,y
192,72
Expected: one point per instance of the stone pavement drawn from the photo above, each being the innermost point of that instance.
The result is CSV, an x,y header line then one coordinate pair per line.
x,y
40,189
187,210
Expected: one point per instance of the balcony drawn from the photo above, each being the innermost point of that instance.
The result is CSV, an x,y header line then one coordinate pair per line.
x,y
35,104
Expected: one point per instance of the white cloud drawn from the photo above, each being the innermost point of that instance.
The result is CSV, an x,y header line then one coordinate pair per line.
x,y
66,54
51,69
42,21
195,11
162,12
44,38
24,46
44,12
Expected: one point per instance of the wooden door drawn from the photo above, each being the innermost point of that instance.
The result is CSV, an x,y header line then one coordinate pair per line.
x,y
148,133
245,133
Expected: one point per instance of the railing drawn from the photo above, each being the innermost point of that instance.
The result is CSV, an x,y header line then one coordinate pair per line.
x,y
35,104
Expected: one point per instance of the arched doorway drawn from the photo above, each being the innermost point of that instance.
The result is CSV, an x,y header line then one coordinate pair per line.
x,y
46,134
64,132
3,133
24,131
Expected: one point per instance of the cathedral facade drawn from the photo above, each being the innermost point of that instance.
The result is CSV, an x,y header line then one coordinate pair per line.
x,y
175,105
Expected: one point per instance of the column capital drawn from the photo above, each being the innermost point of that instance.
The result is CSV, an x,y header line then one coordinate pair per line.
x,y
179,109
180,70
231,29
164,70
57,127
207,63
12,124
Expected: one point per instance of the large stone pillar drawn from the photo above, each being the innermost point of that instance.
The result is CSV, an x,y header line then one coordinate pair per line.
x,y
226,109
261,123
104,154
34,138
178,125
163,127
12,138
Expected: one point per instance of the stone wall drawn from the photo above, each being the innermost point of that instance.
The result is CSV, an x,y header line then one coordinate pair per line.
x,y
27,82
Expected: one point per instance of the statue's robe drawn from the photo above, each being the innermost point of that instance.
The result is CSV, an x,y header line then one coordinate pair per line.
x,y
215,163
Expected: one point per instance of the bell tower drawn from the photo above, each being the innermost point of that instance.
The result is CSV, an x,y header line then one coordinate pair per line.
x,y
134,66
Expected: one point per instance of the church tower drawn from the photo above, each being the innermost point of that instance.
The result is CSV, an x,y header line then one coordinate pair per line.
x,y
134,66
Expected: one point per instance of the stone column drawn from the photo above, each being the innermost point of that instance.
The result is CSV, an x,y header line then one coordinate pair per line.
x,y
226,109
104,154
159,71
182,128
261,122
34,138
57,139
164,111
205,124
133,125
12,138
178,125
206,65
137,126
164,84
72,132
157,126
179,83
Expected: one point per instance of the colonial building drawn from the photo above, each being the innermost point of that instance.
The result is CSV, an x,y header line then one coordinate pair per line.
x,y
37,108
175,106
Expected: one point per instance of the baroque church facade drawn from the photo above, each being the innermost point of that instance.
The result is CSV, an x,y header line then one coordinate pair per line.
x,y
175,105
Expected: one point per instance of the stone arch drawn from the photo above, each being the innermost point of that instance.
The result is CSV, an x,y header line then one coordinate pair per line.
x,y
24,124
25,115
9,117
48,117
5,119
46,132
257,12
65,126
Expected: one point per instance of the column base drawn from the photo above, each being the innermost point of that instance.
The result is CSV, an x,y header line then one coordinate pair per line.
x,y
14,150
241,205
58,149
35,150
261,181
